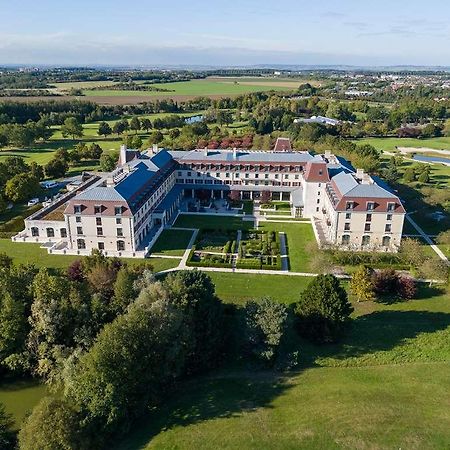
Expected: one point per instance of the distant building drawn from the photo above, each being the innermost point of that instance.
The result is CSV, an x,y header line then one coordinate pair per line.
x,y
283,145
122,213
318,119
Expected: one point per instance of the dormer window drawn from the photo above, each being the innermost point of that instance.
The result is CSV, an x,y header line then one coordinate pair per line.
x,y
390,206
370,206
97,209
117,210
77,209
349,205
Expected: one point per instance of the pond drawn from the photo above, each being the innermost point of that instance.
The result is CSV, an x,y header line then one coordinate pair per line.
x,y
436,159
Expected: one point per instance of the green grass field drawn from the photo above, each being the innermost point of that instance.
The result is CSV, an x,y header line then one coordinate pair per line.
x,y
172,242
298,236
389,143
27,253
194,87
385,386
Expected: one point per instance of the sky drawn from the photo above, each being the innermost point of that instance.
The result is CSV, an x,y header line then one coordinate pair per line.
x,y
225,32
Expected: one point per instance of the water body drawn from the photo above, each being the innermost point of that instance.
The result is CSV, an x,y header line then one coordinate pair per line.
x,y
194,119
435,159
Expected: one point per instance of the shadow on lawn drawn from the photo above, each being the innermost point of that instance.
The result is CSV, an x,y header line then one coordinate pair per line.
x,y
378,331
207,398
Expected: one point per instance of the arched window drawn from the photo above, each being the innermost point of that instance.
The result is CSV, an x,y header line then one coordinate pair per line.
x,y
50,232
81,245
63,232
120,246
345,239
365,240
386,241
34,231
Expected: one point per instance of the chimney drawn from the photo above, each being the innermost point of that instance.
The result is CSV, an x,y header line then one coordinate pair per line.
x,y
205,151
359,174
123,155
155,149
110,181
234,153
367,179
327,155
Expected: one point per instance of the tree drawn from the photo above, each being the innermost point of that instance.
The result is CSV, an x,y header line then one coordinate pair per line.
x,y
56,168
146,124
136,142
52,425
104,129
406,287
385,281
155,137
36,170
94,151
135,124
323,311
124,291
7,438
361,284
118,127
266,197
146,347
71,127
107,162
265,326
193,292
412,252
409,176
424,177
21,187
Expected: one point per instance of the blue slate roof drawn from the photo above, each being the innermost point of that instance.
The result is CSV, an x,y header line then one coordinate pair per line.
x,y
137,178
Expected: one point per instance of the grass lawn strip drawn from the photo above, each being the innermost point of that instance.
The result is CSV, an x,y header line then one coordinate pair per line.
x,y
172,242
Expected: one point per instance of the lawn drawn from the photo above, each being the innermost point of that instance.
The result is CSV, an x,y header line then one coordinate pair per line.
x,y
299,237
27,253
389,143
385,386
240,287
172,242
212,222
20,396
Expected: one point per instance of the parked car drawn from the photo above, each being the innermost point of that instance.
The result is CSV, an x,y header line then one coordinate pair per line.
x,y
33,201
49,184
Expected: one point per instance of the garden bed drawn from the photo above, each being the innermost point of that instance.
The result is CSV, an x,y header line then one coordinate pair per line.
x,y
199,258
259,249
215,240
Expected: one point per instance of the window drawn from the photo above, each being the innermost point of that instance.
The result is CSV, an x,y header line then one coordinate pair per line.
x,y
99,231
347,226
118,220
389,217
349,205
117,210
246,175
97,209
77,209
101,246
286,176
120,246
98,220
180,174
189,174
77,219
79,230
386,241
368,217
199,174
365,240
367,227
256,175
390,206
119,232
81,245
345,239
63,232
388,228
370,206
318,200
50,232
317,209
348,216
237,175
276,176
227,175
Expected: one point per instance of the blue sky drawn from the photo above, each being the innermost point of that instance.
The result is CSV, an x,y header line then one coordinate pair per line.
x,y
231,32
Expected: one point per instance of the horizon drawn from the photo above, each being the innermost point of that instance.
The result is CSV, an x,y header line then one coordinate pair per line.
x,y
227,34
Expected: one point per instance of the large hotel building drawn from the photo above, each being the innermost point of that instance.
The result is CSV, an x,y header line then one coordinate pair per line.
x,y
123,212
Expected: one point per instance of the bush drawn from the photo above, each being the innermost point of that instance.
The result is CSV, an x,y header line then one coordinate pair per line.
x,y
406,287
323,310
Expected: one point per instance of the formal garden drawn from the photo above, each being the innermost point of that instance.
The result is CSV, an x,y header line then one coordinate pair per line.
x,y
259,249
